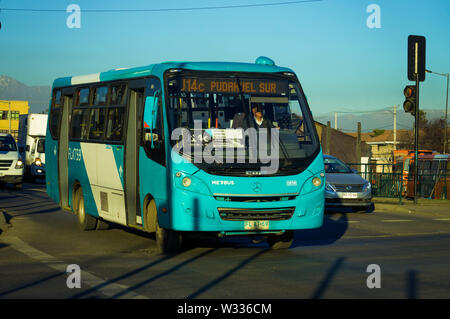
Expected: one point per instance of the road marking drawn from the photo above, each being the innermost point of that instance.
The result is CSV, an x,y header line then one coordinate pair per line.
x,y
396,220
108,289
442,219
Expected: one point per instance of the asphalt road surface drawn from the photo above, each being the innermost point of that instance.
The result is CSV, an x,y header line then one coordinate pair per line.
x,y
41,241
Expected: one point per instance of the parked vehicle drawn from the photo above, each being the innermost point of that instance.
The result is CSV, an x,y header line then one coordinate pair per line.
x,y
344,187
11,164
32,130
433,179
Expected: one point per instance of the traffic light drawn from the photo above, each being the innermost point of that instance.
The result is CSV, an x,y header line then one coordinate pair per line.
x,y
410,102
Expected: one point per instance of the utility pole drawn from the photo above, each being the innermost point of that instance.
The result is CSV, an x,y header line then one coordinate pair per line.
x,y
335,120
9,116
328,138
395,127
358,144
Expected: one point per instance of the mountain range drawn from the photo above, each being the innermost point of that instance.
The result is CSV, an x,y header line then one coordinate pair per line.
x,y
39,97
378,119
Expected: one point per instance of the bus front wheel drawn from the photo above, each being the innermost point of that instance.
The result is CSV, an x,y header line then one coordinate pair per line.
x,y
168,241
85,221
283,241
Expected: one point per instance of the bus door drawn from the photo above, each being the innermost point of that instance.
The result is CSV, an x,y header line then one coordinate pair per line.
x,y
136,102
63,148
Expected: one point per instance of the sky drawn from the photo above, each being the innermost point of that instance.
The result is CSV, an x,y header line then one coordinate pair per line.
x,y
342,64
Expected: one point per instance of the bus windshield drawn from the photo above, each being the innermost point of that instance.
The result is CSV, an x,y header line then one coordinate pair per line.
x,y
244,116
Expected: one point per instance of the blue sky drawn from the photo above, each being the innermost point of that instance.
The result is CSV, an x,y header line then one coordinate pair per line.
x,y
342,64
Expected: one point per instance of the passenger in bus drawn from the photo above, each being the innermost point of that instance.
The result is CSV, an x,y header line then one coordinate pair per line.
x,y
255,120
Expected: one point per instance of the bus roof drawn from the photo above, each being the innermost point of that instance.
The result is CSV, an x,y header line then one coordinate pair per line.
x,y
159,69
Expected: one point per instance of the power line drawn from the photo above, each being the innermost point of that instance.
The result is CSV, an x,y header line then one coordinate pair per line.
x,y
165,9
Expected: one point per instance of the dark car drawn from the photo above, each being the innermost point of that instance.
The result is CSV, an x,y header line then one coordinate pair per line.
x,y
344,187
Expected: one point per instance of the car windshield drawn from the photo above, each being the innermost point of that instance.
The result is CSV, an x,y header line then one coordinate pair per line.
x,y
7,144
333,165
222,112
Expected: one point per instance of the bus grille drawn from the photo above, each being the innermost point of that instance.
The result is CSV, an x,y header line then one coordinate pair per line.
x,y
254,198
5,164
256,214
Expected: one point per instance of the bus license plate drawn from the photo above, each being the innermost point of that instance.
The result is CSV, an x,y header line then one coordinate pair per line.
x,y
256,224
349,195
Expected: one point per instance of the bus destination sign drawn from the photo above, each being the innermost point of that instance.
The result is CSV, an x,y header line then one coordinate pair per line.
x,y
231,86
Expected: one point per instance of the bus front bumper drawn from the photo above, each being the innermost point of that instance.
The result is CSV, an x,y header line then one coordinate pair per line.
x,y
198,212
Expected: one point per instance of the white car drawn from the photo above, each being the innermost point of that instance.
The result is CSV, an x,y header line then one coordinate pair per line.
x,y
11,164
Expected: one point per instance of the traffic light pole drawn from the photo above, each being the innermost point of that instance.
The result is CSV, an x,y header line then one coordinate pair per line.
x,y
416,140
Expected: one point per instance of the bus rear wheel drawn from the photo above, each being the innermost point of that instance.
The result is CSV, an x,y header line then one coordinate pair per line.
x,y
85,221
283,241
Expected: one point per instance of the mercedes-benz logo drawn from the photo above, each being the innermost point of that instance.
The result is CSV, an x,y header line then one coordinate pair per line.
x,y
257,187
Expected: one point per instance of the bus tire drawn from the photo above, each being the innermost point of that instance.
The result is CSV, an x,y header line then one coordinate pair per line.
x,y
102,225
283,241
85,221
167,241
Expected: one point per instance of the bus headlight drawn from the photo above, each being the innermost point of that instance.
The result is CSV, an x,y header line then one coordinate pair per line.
x,y
316,181
190,183
19,164
186,182
313,183
38,162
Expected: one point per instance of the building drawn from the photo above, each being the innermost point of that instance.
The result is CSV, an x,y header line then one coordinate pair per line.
x,y
10,124
383,144
342,145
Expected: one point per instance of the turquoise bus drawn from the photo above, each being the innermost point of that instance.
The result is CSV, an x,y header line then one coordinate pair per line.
x,y
181,147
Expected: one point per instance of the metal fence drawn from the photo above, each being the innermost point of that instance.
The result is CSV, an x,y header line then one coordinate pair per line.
x,y
388,182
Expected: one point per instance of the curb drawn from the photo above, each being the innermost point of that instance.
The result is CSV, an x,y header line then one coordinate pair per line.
x,y
395,207
406,202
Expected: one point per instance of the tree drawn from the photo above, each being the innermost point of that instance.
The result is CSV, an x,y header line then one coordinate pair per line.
x,y
377,132
431,135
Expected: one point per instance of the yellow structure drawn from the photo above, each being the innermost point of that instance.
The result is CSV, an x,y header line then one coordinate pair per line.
x,y
16,108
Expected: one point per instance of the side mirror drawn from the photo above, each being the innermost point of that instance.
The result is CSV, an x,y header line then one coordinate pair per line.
x,y
355,171
150,118
148,137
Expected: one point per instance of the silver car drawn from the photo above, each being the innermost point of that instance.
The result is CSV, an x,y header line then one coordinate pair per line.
x,y
344,187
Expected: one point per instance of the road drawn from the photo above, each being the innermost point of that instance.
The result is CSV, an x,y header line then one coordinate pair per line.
x,y
411,250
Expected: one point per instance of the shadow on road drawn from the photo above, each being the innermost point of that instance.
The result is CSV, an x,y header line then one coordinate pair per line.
x,y
331,231
320,291
31,284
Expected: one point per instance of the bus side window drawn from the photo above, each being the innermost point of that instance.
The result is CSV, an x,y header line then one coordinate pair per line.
x,y
114,124
79,127
55,114
97,124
